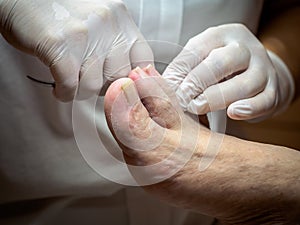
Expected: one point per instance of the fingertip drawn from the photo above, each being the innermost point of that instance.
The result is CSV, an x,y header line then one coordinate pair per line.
x,y
91,78
240,111
65,91
198,106
231,113
141,54
65,71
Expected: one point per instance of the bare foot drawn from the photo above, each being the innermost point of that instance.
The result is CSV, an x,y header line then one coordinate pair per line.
x,y
163,149
149,125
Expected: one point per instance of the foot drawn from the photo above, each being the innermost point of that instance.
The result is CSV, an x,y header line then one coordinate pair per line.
x,y
149,125
164,148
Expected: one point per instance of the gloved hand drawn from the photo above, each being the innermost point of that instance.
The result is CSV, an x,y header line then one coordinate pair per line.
x,y
86,40
227,66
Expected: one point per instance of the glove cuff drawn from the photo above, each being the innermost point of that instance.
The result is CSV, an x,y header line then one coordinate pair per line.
x,y
286,84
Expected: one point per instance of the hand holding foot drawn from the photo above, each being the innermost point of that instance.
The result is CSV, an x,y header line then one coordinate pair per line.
x,y
247,183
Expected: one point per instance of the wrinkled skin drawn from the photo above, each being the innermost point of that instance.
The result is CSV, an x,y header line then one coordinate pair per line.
x,y
247,182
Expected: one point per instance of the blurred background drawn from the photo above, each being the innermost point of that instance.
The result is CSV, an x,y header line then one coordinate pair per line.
x,y
281,130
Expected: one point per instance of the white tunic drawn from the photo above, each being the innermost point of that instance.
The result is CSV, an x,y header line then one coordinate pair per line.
x,y
39,157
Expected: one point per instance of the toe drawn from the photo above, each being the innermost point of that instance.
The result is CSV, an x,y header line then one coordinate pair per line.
x,y
128,119
157,97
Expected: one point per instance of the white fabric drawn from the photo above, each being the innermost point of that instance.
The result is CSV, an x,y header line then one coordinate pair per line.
x,y
39,157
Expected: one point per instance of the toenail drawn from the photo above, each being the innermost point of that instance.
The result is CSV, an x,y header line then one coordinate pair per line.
x,y
130,92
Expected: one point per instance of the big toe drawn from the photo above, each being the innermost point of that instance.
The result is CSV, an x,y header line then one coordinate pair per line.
x,y
128,119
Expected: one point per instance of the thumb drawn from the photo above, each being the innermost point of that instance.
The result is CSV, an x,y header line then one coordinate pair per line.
x,y
141,54
65,72
260,105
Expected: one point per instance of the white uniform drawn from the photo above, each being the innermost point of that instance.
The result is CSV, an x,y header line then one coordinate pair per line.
x,y
44,178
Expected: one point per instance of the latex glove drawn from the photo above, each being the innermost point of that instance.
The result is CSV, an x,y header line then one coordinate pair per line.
x,y
227,66
87,40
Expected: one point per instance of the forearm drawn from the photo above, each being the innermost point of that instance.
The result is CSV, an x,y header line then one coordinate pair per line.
x,y
280,34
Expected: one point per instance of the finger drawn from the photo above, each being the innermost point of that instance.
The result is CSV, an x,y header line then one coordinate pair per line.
x,y
220,63
254,107
117,62
65,72
194,52
220,96
91,77
141,54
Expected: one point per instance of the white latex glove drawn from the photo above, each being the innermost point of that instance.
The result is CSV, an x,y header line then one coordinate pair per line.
x,y
227,66
86,40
